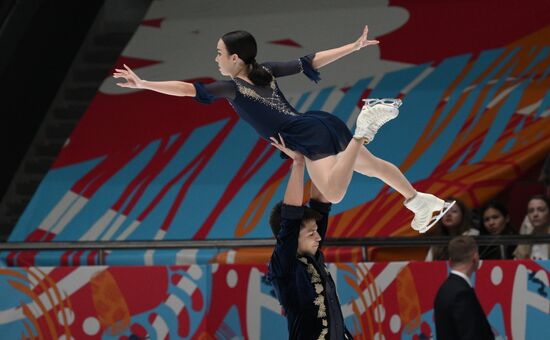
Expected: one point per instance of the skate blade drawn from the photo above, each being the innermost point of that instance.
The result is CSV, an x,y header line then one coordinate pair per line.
x,y
394,102
438,216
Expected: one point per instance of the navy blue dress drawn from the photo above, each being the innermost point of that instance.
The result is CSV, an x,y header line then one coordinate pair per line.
x,y
315,134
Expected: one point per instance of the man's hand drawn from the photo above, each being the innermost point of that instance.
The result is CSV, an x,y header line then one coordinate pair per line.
x,y
294,155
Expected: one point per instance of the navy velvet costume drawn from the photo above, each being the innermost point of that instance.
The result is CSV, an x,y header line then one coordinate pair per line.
x,y
303,284
315,134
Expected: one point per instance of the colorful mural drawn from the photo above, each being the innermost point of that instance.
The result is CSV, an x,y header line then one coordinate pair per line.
x,y
143,166
379,301
146,166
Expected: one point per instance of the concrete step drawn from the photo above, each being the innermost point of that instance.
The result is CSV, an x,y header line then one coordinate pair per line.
x,y
15,209
59,131
27,188
67,114
81,92
39,165
92,74
115,39
76,104
48,149
6,226
102,54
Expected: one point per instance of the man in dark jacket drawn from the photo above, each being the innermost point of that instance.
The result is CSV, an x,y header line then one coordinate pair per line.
x,y
297,269
458,313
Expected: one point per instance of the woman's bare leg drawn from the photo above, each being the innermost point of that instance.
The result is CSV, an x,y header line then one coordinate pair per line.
x,y
332,174
372,166
421,204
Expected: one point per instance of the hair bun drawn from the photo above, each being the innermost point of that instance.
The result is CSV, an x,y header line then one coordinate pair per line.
x,y
244,45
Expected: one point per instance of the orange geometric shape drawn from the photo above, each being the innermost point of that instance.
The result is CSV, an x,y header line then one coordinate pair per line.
x,y
407,299
112,310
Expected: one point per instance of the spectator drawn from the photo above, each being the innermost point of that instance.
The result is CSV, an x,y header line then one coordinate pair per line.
x,y
526,228
538,213
456,222
495,220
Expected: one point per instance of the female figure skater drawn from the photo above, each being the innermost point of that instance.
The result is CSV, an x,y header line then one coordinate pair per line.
x,y
331,152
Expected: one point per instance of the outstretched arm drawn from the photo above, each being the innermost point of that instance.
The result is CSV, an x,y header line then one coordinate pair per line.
x,y
173,88
328,56
294,193
283,260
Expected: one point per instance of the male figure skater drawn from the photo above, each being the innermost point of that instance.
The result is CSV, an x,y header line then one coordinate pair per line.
x,y
297,269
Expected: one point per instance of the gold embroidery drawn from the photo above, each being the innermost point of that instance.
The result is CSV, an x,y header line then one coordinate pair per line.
x,y
322,313
320,300
318,288
324,332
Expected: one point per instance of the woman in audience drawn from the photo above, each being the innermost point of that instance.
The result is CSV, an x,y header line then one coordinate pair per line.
x,y
495,220
457,221
526,228
538,213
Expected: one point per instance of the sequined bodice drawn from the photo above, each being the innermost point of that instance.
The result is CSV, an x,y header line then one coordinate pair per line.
x,y
264,107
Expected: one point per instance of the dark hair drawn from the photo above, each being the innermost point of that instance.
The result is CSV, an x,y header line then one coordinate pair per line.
x,y
244,45
461,249
497,206
275,217
465,224
542,198
442,252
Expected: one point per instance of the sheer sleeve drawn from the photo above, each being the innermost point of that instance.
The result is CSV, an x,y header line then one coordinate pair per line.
x,y
207,93
287,68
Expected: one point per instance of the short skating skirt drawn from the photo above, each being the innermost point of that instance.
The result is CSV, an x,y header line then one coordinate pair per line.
x,y
316,135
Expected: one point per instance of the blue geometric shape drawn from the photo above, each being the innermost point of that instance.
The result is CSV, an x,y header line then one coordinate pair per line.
x,y
536,324
53,187
496,320
321,98
508,108
230,328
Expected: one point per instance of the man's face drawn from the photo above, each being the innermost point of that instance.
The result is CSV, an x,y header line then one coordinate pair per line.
x,y
309,238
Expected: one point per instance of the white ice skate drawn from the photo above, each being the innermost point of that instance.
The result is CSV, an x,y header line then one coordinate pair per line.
x,y
428,210
374,114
